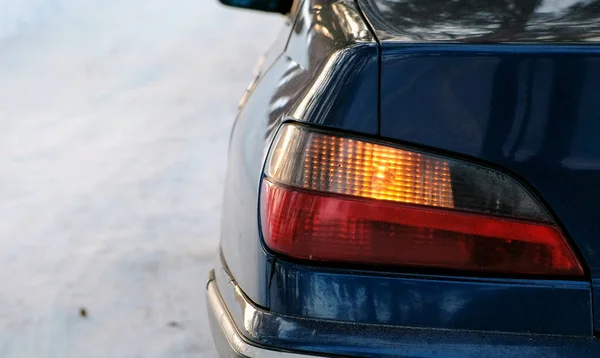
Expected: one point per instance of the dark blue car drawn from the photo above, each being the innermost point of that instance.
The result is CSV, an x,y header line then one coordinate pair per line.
x,y
416,178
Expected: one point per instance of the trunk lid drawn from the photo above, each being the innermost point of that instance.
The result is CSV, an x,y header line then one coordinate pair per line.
x,y
469,83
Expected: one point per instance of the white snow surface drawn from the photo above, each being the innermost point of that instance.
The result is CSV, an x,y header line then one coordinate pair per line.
x,y
114,121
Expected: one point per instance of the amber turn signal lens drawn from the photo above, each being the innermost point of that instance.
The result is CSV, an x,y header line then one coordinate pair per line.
x,y
353,167
330,198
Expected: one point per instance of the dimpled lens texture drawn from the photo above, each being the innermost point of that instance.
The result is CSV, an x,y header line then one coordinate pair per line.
x,y
317,161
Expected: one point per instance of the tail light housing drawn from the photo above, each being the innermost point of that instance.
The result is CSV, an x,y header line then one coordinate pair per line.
x,y
332,198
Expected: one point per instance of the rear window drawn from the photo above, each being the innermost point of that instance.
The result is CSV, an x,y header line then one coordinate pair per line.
x,y
486,21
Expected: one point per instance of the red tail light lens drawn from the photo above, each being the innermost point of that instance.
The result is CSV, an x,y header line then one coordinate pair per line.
x,y
335,199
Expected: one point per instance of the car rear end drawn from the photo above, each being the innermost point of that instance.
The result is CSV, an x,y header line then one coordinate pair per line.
x,y
416,179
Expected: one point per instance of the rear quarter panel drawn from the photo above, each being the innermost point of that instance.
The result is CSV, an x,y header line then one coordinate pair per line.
x,y
326,75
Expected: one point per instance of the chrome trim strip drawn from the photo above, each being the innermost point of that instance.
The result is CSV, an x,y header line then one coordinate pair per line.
x,y
232,334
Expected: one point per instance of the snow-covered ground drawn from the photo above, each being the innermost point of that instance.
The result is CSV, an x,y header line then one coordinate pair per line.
x,y
114,119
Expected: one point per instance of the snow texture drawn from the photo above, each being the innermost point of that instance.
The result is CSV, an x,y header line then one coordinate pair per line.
x,y
114,121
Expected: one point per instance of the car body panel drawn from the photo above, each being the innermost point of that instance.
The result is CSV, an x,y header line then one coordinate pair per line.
x,y
333,69
533,112
330,56
239,227
528,111
269,330
492,21
413,300
596,301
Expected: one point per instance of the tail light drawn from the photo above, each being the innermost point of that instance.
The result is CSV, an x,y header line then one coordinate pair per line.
x,y
336,199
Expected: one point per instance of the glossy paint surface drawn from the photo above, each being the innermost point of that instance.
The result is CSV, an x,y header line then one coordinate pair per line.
x,y
527,110
531,110
521,306
239,227
492,21
325,74
273,331
596,300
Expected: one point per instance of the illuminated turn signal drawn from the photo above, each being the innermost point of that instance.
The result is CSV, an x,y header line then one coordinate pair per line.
x,y
336,199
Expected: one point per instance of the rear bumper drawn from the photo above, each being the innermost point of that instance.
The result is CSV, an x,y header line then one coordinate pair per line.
x,y
227,337
241,329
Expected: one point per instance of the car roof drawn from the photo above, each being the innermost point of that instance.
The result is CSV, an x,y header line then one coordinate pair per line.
x,y
485,21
